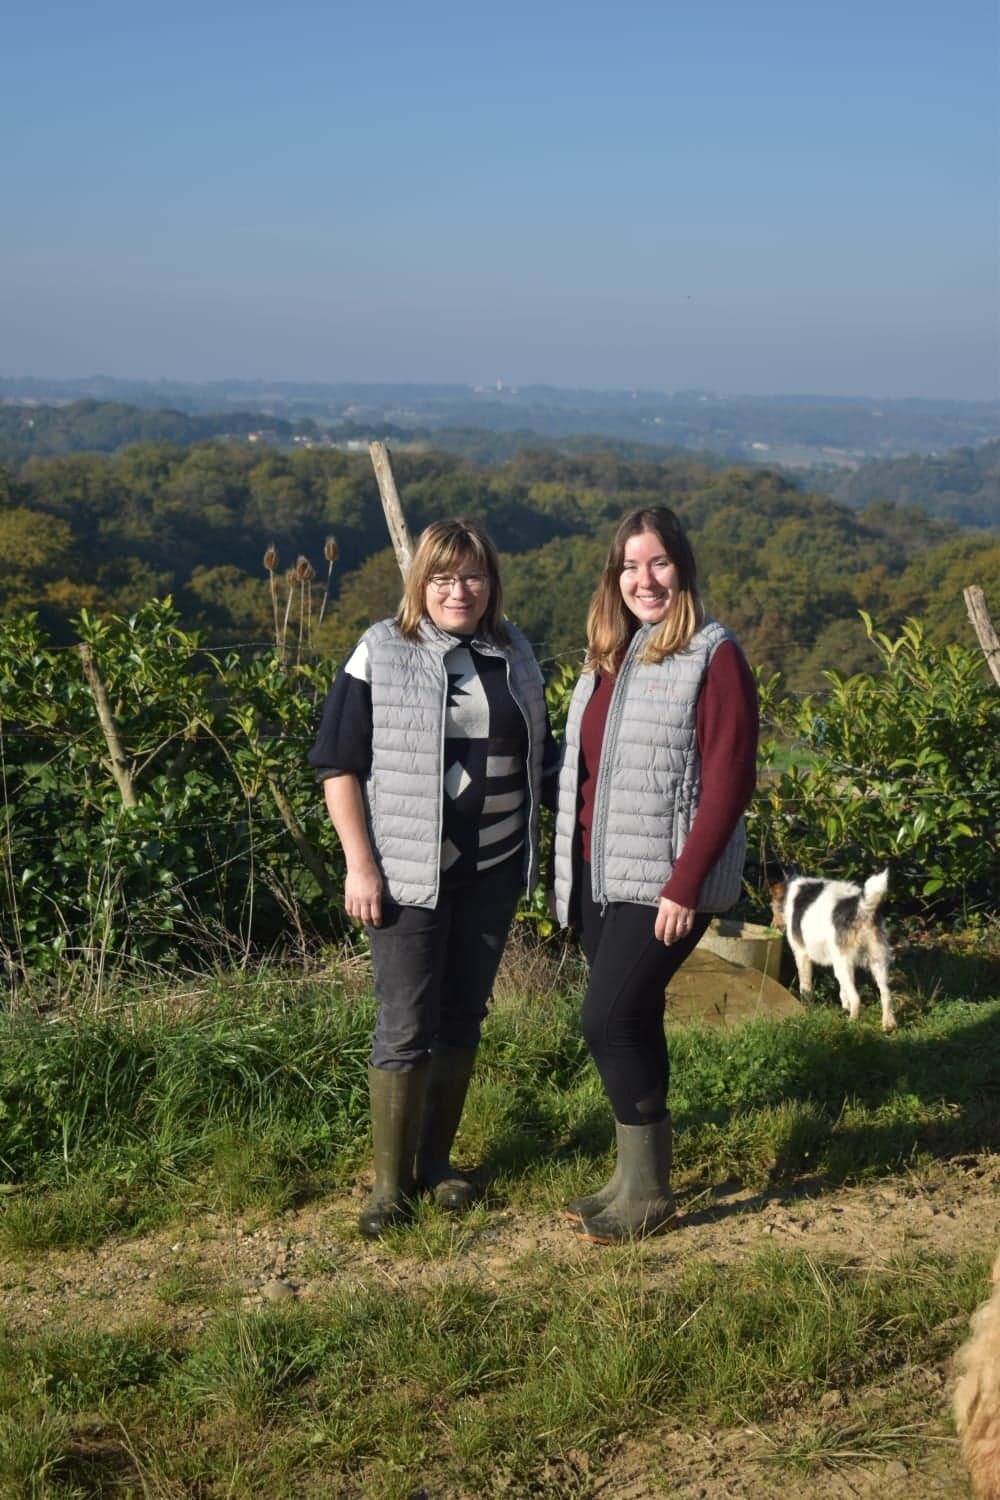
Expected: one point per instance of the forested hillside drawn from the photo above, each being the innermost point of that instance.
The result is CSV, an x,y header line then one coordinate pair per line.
x,y
962,485
787,569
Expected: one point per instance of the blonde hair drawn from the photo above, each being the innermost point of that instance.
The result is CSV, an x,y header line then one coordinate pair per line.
x,y
611,624
443,547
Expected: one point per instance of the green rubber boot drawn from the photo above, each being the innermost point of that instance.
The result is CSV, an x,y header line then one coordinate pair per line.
x,y
593,1203
397,1103
643,1204
447,1085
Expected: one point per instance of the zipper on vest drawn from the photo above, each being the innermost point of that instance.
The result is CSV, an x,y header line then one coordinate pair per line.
x,y
528,769
616,709
440,656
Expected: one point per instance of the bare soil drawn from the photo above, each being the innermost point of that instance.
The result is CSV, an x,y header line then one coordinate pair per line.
x,y
177,1278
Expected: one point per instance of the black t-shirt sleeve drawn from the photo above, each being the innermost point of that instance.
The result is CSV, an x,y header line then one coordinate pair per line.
x,y
343,743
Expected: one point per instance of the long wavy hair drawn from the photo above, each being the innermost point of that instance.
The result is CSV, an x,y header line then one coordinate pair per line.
x,y
611,624
444,547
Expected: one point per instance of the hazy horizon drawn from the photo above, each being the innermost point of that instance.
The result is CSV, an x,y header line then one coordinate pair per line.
x,y
487,388
775,200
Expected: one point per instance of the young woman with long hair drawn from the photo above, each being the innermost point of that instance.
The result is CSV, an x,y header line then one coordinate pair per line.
x,y
659,765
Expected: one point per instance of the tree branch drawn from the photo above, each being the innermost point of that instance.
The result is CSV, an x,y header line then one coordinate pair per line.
x,y
310,858
119,764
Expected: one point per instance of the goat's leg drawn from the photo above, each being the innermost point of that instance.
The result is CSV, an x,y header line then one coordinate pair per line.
x,y
804,969
879,966
849,997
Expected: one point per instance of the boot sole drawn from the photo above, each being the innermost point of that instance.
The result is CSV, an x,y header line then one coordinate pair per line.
x,y
454,1195
373,1227
376,1231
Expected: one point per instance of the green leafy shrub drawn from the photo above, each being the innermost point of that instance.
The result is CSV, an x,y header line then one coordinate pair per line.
x,y
899,767
214,748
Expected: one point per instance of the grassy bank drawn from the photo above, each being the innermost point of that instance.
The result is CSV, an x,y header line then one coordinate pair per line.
x,y
248,1095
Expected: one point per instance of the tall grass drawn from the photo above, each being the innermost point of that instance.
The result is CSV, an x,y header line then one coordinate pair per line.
x,y
247,1090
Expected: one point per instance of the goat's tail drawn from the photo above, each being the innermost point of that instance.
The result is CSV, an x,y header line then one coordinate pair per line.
x,y
874,893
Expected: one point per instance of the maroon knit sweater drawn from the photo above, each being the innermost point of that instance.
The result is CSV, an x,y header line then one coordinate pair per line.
x,y
726,726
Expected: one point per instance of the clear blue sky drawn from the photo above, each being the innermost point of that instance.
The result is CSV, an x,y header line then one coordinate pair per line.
x,y
783,196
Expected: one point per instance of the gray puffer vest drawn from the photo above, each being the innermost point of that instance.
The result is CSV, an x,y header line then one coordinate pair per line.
x,y
648,781
404,793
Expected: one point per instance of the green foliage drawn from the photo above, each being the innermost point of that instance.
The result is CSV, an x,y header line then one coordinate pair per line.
x,y
214,746
535,908
898,768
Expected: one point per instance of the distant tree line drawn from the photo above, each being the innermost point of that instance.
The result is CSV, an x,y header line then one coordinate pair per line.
x,y
961,484
105,426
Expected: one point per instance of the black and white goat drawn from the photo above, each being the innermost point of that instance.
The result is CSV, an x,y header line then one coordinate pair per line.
x,y
837,923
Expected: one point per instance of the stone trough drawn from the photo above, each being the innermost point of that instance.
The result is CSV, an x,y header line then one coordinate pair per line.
x,y
733,975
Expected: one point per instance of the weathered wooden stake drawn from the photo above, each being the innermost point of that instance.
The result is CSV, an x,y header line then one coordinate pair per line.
x,y
975,603
394,518
119,764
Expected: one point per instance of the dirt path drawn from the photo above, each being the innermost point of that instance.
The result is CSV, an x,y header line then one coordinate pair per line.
x,y
177,1277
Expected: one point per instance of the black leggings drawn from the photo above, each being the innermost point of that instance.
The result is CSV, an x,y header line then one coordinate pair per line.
x,y
622,1016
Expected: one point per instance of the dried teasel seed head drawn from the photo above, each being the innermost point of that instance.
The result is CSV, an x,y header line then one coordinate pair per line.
x,y
291,578
304,570
331,549
271,558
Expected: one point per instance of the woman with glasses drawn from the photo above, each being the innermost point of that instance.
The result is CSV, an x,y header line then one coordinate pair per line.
x,y
659,765
432,750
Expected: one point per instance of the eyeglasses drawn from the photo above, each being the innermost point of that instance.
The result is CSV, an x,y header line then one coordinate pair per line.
x,y
443,583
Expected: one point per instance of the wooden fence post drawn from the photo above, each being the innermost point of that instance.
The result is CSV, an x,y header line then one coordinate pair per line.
x,y
394,518
975,603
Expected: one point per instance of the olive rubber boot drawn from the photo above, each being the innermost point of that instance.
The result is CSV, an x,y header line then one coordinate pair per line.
x,y
397,1102
585,1208
643,1203
447,1085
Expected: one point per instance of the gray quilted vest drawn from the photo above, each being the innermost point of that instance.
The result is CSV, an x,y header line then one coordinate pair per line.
x,y
648,782
403,793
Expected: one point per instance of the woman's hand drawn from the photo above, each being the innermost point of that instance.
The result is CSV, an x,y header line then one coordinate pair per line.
x,y
363,886
673,922
363,895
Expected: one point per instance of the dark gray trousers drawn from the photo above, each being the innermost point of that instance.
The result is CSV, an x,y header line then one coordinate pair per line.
x,y
434,968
